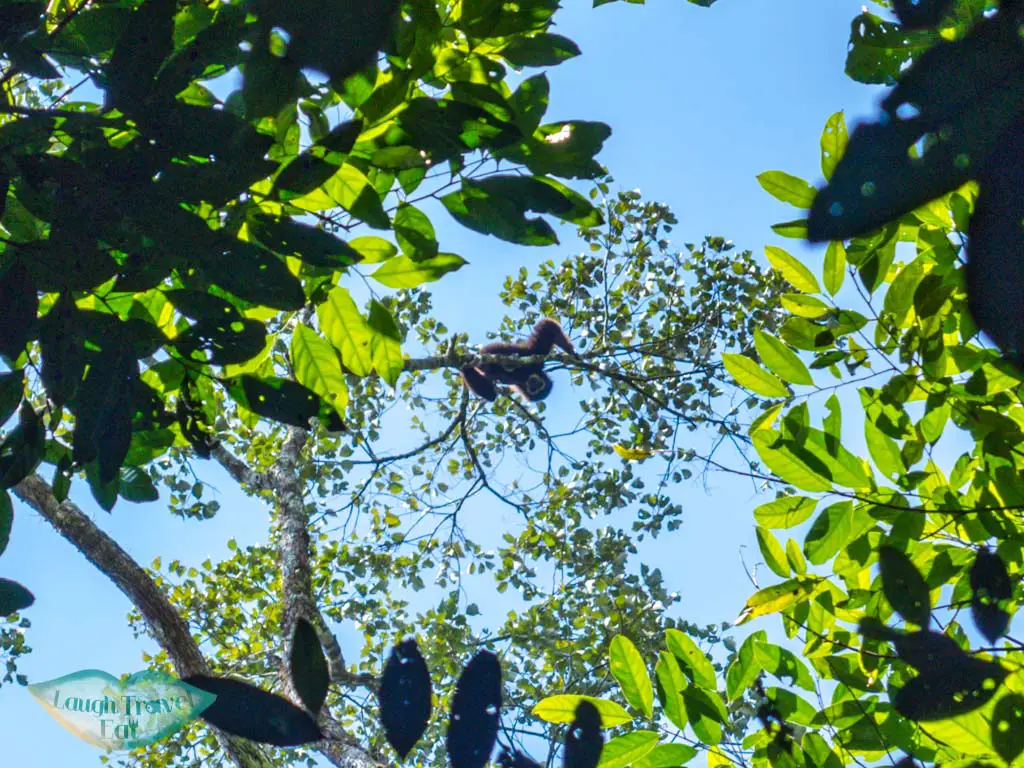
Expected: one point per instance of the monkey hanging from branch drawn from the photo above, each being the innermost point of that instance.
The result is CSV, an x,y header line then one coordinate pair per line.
x,y
529,379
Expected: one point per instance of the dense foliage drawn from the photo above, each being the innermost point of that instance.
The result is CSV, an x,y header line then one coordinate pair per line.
x,y
206,299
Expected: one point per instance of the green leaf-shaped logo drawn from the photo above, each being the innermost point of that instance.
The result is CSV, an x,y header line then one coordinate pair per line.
x,y
100,709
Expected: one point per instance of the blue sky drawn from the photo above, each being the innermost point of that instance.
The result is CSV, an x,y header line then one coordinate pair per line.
x,y
700,102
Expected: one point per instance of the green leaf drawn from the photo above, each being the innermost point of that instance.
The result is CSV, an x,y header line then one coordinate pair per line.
x,y
406,272
385,346
6,520
706,713
627,667
530,102
795,558
627,749
799,276
834,271
750,375
797,228
791,708
105,494
880,50
787,465
745,668
781,360
670,682
772,552
137,486
345,328
833,144
415,233
316,367
350,189
543,50
884,451
777,598
786,512
373,249
831,531
805,306
13,597
562,709
784,664
686,650
788,189
667,756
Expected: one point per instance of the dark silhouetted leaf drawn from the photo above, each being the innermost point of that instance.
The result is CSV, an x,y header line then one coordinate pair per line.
x,y
62,478
106,408
186,129
192,422
13,597
953,690
20,18
26,58
19,304
279,399
12,387
254,274
915,14
222,342
22,450
1008,727
995,274
201,305
270,82
146,41
567,150
970,92
311,244
341,137
137,486
475,712
337,39
490,214
990,584
584,740
6,520
63,352
252,713
309,667
543,50
305,173
404,697
904,587
516,759
925,650
105,493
